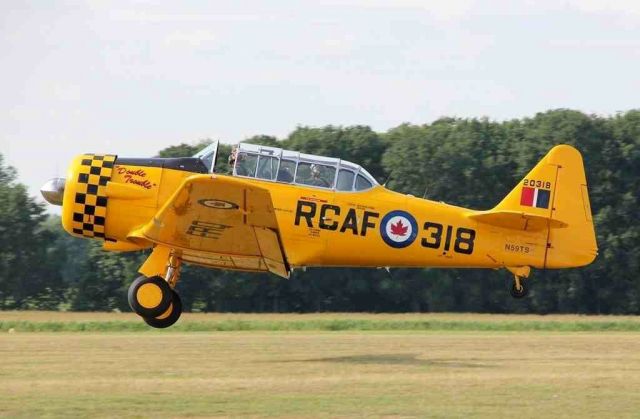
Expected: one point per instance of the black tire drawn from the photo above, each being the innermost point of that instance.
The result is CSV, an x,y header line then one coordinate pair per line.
x,y
176,311
145,310
522,292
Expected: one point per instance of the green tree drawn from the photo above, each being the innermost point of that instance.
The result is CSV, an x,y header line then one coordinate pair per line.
x,y
184,149
101,283
359,144
28,278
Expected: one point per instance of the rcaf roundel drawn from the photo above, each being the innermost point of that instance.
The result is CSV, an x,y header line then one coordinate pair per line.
x,y
398,229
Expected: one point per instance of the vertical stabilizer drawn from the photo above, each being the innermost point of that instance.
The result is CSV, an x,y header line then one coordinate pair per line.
x,y
556,189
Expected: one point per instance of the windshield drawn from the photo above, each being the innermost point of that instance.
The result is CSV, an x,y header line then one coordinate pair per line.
x,y
208,155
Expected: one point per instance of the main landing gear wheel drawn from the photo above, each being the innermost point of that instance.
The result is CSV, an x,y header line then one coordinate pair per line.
x,y
169,317
150,297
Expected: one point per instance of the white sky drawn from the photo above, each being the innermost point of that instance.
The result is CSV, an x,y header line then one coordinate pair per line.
x,y
133,77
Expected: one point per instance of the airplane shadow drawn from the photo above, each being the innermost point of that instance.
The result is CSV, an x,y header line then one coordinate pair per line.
x,y
396,359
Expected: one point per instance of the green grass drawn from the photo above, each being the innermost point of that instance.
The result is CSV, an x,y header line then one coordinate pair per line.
x,y
117,322
320,375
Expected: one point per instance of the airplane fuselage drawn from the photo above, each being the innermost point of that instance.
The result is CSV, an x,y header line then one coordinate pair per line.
x,y
325,227
382,228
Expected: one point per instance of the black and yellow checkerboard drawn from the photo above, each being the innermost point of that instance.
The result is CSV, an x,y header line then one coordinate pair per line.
x,y
90,206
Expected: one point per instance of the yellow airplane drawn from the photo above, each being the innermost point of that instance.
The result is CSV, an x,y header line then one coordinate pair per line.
x,y
282,210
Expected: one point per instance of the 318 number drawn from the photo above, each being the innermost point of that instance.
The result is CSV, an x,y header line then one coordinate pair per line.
x,y
463,242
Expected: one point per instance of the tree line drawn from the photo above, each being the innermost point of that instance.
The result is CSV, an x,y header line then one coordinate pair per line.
x,y
467,162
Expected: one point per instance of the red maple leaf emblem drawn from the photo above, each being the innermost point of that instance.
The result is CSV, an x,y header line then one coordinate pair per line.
x,y
399,229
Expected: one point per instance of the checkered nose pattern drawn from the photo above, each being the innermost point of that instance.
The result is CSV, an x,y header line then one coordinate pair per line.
x,y
90,204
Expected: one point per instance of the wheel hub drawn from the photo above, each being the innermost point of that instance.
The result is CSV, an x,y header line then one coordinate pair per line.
x,y
149,295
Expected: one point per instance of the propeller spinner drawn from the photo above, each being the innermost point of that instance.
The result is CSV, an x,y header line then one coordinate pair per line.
x,y
53,191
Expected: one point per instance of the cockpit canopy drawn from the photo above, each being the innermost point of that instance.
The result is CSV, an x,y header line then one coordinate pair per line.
x,y
284,166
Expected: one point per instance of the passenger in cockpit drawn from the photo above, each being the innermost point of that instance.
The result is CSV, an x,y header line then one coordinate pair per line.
x,y
285,175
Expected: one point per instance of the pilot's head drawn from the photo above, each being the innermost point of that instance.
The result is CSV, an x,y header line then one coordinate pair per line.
x,y
315,171
232,156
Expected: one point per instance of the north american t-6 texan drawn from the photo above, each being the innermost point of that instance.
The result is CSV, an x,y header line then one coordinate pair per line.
x,y
282,210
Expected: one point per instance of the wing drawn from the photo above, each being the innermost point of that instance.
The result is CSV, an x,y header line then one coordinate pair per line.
x,y
221,222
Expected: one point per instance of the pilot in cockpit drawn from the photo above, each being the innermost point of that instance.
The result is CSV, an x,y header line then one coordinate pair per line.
x,y
239,161
232,156
316,179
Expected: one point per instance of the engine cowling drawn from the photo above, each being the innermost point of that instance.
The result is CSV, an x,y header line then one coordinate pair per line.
x,y
84,206
109,198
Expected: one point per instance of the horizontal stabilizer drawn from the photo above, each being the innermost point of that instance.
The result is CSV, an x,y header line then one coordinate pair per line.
x,y
516,220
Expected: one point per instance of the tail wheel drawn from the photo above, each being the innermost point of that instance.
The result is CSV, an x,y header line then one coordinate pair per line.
x,y
169,317
519,290
150,297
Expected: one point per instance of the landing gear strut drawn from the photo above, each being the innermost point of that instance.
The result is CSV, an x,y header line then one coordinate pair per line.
x,y
519,288
155,299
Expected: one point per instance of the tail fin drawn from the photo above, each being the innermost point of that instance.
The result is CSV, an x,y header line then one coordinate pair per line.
x,y
553,196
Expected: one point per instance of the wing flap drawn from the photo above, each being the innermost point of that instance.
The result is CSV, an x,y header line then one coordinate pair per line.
x,y
270,249
224,261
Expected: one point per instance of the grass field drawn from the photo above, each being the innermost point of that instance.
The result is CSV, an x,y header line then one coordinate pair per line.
x,y
317,373
195,322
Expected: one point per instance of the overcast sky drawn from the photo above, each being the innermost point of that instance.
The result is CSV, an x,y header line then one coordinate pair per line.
x,y
133,77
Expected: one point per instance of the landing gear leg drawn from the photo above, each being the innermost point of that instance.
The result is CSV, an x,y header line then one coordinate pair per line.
x,y
173,270
520,288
